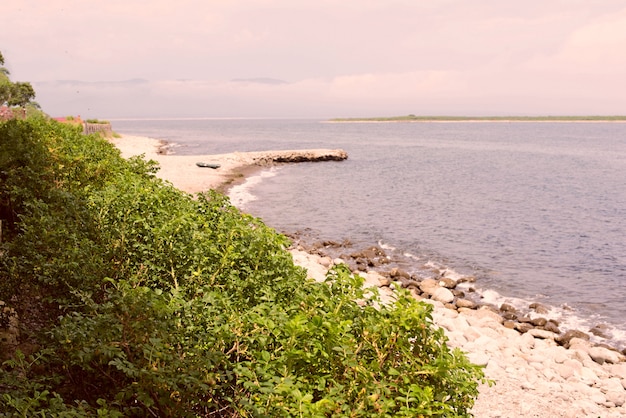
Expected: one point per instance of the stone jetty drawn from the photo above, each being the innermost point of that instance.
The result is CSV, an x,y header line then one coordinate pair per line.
x,y
293,156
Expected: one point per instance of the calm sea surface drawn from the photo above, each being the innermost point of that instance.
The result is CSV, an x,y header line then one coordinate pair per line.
x,y
536,211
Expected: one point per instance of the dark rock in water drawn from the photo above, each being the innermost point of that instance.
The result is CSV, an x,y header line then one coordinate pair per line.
x,y
539,308
467,279
552,327
372,262
564,339
600,330
332,244
523,327
464,303
401,280
509,316
539,322
505,307
396,272
346,243
447,282
297,156
371,257
458,293
346,257
372,252
408,283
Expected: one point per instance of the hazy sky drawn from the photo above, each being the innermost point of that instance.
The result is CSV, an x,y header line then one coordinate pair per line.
x,y
318,58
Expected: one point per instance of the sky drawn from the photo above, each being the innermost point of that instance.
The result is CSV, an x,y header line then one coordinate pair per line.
x,y
318,58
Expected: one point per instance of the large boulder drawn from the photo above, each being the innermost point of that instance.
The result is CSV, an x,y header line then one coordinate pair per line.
x,y
442,295
603,355
397,272
429,286
465,303
565,338
447,282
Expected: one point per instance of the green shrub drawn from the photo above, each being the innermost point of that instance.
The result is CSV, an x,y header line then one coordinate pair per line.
x,y
160,303
48,171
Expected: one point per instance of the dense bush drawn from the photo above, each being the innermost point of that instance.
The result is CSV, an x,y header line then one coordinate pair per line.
x,y
158,303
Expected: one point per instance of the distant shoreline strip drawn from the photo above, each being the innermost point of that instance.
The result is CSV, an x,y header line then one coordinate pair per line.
x,y
509,119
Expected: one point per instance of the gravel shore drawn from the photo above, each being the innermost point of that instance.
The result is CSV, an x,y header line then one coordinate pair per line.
x,y
535,376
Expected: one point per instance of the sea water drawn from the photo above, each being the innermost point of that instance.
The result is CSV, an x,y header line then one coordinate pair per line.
x,y
535,211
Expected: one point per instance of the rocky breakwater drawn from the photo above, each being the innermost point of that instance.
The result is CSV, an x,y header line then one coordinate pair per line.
x,y
294,156
539,369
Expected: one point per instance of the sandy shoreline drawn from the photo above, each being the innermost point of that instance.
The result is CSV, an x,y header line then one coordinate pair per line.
x,y
536,377
185,174
182,171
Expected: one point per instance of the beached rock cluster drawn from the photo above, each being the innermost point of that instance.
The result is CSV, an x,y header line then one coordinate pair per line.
x,y
539,369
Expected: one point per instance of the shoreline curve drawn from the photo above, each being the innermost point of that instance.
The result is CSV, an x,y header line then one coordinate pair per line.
x,y
534,375
184,173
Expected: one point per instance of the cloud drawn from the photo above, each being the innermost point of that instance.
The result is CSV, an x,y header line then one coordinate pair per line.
x,y
258,97
348,57
397,85
594,48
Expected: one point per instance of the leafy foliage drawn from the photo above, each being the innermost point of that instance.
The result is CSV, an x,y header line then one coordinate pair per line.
x,y
159,303
18,94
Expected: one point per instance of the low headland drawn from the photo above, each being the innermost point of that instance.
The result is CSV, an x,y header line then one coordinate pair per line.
x,y
415,118
539,369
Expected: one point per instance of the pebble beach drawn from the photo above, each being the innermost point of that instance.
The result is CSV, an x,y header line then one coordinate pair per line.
x,y
538,370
